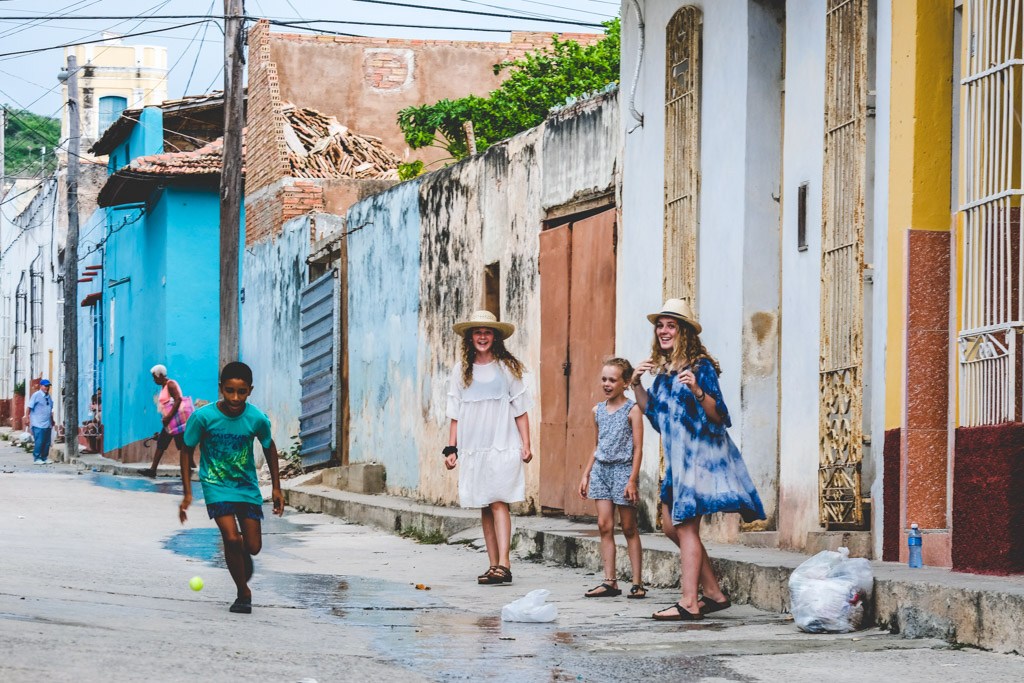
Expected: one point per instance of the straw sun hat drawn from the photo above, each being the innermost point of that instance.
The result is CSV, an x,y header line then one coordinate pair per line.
x,y
484,319
678,309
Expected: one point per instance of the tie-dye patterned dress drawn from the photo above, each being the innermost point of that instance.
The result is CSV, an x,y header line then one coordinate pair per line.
x,y
703,466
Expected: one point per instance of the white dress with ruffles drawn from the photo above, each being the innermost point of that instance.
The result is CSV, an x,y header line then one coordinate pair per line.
x,y
490,448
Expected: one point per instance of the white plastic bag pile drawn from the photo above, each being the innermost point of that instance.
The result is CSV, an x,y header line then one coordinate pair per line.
x,y
828,592
530,607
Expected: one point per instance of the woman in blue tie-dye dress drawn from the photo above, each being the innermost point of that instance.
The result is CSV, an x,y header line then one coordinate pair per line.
x,y
704,470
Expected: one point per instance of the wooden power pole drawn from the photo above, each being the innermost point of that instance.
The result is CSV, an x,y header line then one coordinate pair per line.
x,y
231,179
70,383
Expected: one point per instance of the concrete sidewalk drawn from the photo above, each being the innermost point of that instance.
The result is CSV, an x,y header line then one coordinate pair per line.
x,y
968,609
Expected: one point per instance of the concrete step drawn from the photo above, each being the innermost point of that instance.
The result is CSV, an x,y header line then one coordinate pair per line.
x,y
980,611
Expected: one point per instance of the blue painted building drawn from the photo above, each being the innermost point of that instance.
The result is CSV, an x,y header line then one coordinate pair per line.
x,y
160,273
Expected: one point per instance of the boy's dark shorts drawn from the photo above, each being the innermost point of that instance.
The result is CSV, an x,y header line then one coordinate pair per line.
x,y
165,438
239,510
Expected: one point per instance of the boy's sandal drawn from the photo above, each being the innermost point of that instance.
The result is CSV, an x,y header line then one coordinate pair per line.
x,y
682,614
711,606
486,573
637,592
241,606
605,590
497,575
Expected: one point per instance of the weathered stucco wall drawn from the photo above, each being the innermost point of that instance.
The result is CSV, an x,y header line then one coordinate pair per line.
x,y
456,221
383,307
273,274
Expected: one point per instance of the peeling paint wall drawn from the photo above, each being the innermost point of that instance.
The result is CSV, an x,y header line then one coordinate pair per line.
x,y
273,274
421,269
383,305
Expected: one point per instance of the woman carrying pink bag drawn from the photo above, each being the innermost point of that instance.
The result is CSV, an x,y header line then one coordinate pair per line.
x,y
175,409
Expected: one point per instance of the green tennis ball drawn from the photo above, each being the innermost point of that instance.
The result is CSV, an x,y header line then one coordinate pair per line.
x,y
196,583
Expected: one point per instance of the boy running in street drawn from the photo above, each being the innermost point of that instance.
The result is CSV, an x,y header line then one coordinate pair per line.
x,y
224,432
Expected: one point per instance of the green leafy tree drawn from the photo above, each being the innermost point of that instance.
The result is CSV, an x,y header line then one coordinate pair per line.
x,y
536,83
25,136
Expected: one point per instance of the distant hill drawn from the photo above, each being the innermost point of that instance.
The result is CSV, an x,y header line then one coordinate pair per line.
x,y
26,134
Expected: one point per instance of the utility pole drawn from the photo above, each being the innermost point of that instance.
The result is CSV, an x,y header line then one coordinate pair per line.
x,y
231,179
70,383
3,149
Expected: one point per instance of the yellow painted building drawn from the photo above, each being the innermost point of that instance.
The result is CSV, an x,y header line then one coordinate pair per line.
x,y
114,77
954,378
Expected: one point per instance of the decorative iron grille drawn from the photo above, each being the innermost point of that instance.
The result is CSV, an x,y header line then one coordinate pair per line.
x,y
841,383
991,263
682,153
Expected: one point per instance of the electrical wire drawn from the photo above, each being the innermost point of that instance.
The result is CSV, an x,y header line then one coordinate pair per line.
x,y
199,52
476,13
101,40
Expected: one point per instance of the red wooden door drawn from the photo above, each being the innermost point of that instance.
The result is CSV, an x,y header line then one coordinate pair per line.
x,y
554,343
577,266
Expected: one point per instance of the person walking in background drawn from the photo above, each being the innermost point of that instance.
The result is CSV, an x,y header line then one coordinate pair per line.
x,y
611,476
704,471
175,410
490,430
39,416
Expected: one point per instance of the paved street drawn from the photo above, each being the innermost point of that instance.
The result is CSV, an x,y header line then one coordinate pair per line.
x,y
95,588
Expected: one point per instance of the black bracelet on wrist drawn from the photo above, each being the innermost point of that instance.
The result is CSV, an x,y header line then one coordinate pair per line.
x,y
449,450
702,395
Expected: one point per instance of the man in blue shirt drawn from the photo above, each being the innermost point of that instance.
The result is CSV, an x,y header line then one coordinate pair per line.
x,y
39,415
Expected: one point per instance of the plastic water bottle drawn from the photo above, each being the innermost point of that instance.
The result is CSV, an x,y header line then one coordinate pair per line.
x,y
914,546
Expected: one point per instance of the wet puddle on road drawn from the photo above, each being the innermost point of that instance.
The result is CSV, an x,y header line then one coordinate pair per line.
x,y
142,484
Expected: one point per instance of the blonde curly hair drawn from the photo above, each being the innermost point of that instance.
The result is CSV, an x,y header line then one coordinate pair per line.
x,y
501,354
687,350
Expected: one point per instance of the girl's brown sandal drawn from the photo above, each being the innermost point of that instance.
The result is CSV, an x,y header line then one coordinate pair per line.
x,y
497,575
637,592
487,573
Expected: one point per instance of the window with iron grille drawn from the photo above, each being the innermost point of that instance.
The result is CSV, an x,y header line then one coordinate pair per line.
x,y
991,261
682,153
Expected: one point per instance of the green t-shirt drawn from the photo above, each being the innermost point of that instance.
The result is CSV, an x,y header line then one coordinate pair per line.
x,y
227,466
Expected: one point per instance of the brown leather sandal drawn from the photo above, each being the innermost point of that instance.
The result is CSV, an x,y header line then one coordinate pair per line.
x,y
682,614
496,576
605,590
486,573
637,592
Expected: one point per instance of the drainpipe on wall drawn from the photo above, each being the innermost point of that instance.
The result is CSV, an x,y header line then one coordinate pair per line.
x,y
636,75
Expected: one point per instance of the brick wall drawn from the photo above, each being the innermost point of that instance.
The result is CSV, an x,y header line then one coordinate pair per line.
x,y
388,66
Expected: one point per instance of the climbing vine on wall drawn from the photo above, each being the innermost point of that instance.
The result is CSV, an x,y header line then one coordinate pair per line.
x,y
537,82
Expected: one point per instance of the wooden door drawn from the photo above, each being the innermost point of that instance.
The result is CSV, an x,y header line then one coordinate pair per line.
x,y
554,354
577,266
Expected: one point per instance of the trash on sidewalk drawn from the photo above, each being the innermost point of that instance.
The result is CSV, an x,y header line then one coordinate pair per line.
x,y
828,592
530,608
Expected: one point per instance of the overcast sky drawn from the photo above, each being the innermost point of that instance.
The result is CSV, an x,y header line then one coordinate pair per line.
x,y
30,81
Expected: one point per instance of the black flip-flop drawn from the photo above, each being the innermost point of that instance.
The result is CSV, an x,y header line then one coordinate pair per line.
x,y
682,614
241,606
711,606
608,592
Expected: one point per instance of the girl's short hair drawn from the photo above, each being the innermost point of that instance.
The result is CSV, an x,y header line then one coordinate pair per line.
x,y
623,365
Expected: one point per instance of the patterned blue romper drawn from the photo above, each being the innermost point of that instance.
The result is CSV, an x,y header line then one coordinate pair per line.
x,y
704,471
613,459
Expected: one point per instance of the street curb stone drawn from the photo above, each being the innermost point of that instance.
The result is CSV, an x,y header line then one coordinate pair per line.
x,y
978,611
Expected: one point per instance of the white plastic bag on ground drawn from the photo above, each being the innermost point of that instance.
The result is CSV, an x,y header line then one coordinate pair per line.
x,y
828,592
531,608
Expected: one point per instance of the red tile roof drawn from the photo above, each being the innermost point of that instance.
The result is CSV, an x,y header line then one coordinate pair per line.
x,y
204,161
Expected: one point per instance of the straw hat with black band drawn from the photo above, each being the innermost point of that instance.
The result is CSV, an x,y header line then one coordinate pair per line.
x,y
678,309
484,319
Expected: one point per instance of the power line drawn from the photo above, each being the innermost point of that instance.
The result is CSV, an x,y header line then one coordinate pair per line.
x,y
199,52
32,23
302,23
481,14
101,40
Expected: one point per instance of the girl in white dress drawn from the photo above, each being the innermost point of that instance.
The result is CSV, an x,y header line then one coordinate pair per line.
x,y
489,433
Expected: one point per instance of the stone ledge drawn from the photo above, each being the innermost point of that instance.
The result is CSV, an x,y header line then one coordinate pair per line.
x,y
980,611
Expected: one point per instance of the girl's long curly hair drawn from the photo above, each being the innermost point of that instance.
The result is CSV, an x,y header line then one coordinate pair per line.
x,y
688,349
501,354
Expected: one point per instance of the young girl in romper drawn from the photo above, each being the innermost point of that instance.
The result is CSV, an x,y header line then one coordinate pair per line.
x,y
489,433
610,477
